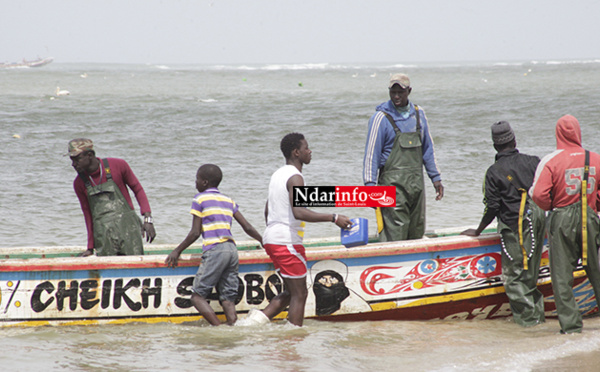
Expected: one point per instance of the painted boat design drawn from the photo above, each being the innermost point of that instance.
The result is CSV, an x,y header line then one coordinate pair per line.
x,y
446,277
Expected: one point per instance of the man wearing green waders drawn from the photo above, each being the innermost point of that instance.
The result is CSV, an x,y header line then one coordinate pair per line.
x,y
566,185
101,186
398,146
520,224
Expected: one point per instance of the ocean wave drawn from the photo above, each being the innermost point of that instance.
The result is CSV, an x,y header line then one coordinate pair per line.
x,y
326,66
277,67
401,65
508,64
300,67
564,346
573,62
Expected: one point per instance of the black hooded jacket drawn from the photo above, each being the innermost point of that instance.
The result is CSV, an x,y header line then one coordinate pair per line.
x,y
501,197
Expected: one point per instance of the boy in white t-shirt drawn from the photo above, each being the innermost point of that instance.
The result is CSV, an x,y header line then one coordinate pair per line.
x,y
282,238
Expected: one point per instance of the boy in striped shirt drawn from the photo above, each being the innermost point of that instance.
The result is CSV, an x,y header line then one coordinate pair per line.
x,y
213,214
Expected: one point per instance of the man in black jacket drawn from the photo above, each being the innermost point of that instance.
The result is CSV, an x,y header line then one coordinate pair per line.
x,y
520,223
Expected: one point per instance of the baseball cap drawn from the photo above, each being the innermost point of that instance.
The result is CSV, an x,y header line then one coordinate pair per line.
x,y
79,145
400,79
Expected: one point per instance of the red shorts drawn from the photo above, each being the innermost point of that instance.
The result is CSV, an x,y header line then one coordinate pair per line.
x,y
289,260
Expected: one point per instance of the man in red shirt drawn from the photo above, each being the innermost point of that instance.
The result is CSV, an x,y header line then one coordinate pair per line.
x,y
557,188
101,186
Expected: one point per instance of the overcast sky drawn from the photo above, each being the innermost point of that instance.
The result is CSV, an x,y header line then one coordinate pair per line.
x,y
299,31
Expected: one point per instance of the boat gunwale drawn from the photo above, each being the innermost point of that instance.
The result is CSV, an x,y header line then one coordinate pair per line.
x,y
426,245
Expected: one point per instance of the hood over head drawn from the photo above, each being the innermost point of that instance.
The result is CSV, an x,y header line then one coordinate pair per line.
x,y
568,132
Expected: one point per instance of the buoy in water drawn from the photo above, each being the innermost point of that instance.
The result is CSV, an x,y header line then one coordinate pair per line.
x,y
16,136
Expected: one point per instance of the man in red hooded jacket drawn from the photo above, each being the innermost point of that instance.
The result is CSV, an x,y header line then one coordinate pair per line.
x,y
557,188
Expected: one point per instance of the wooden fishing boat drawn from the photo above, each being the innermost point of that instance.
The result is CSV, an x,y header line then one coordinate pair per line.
x,y
25,63
443,276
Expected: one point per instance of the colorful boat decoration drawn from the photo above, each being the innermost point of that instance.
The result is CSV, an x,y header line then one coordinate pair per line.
x,y
443,277
26,64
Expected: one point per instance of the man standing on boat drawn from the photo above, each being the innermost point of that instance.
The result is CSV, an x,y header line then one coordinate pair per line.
x,y
520,224
283,236
101,186
566,184
398,145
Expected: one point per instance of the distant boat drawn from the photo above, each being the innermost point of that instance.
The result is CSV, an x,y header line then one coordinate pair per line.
x,y
25,63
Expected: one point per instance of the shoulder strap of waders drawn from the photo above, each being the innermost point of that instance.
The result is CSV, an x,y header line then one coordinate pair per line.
x,y
418,115
85,179
584,233
393,122
107,170
523,192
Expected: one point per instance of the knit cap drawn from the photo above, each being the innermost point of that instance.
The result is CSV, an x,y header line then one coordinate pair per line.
x,y
502,133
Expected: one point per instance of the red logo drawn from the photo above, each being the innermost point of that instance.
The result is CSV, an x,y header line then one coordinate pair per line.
x,y
344,196
365,196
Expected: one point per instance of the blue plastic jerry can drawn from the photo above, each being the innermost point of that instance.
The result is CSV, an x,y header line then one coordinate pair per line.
x,y
358,233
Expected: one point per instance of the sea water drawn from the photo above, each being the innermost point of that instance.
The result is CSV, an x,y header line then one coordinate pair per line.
x,y
168,120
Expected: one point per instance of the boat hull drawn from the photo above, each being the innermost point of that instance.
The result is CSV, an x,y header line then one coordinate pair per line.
x,y
445,278
26,64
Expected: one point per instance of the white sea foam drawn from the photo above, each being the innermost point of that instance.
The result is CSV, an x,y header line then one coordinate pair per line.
x,y
575,62
531,352
508,64
303,66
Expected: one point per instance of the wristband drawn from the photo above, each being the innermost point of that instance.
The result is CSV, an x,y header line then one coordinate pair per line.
x,y
334,218
148,219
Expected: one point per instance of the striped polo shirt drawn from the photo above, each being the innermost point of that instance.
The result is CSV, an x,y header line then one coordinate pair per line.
x,y
216,211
